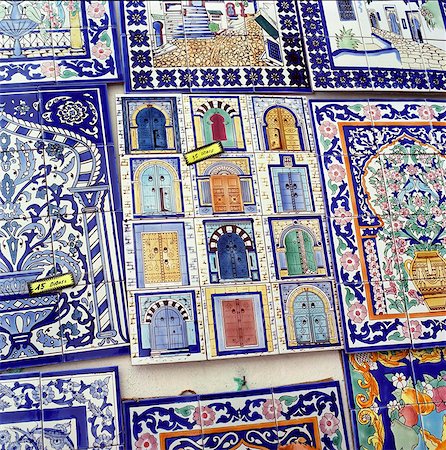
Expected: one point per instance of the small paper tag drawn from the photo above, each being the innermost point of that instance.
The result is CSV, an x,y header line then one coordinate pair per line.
x,y
202,153
51,284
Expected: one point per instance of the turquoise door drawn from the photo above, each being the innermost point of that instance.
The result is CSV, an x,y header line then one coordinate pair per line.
x,y
156,191
310,319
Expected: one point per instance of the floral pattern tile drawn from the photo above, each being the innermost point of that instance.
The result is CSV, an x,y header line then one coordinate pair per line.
x,y
309,416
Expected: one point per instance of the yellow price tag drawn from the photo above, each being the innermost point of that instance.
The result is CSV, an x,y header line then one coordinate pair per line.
x,y
202,153
51,284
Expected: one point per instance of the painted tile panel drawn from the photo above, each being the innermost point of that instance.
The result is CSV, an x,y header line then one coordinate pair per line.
x,y
60,212
58,42
210,46
308,416
383,181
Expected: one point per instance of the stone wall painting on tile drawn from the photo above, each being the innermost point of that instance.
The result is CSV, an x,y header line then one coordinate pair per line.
x,y
213,45
395,45
44,42
397,399
308,416
200,233
383,165
60,212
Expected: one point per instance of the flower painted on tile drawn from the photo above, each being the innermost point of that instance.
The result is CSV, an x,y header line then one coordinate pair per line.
x,y
342,216
427,388
350,261
96,10
271,408
5,437
412,328
72,112
372,112
99,388
103,441
101,51
399,380
146,442
336,173
426,112
141,58
137,17
139,38
328,129
204,415
275,77
439,398
393,405
50,69
329,424
48,394
357,312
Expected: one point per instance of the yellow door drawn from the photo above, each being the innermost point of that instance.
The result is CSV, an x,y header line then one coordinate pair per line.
x,y
281,130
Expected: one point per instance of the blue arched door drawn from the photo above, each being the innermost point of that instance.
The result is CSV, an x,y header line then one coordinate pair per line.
x,y
151,129
159,38
232,258
156,190
168,330
310,319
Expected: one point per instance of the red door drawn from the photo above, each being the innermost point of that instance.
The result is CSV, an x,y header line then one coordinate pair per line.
x,y
239,323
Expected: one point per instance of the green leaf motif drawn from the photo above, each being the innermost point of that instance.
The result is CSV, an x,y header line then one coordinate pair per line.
x,y
397,336
333,187
68,74
437,108
356,108
341,247
349,297
337,439
105,38
185,411
288,400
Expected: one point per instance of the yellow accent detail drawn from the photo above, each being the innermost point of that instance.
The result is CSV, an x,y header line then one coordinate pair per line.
x,y
51,284
75,30
207,151
238,132
198,131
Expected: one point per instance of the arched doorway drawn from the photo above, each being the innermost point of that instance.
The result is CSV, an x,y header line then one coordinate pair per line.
x,y
159,38
299,252
281,130
218,127
168,329
415,27
151,125
156,190
374,20
232,259
310,319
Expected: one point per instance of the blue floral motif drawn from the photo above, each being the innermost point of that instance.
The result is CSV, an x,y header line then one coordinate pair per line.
x,y
143,79
231,77
209,77
141,58
254,77
137,17
139,38
166,78
275,77
188,78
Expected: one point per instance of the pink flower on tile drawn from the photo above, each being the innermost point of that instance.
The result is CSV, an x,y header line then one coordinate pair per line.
x,y
328,129
439,398
412,169
350,261
50,69
146,442
101,51
421,219
357,312
329,424
436,211
372,112
392,289
426,112
336,173
414,294
342,217
96,10
412,329
271,408
204,415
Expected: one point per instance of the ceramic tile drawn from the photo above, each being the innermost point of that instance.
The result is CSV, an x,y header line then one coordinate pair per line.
x,y
387,206
226,46
60,210
375,45
264,418
43,43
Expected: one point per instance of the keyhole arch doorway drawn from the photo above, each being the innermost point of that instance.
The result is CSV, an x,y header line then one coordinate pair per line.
x,y
168,329
151,129
232,257
282,129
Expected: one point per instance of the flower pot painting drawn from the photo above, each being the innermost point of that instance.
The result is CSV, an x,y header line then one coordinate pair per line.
x,y
384,167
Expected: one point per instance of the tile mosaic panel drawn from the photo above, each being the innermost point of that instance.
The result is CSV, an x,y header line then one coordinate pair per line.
x,y
396,45
59,212
213,45
205,228
383,167
61,410
396,398
44,42
305,417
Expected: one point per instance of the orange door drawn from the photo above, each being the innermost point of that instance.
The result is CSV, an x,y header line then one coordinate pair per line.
x,y
226,193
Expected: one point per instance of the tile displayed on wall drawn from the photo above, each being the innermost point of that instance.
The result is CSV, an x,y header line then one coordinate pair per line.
x,y
309,416
383,172
375,45
61,410
396,398
49,42
59,212
206,226
208,45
